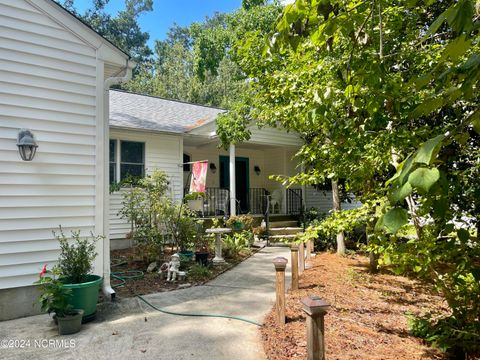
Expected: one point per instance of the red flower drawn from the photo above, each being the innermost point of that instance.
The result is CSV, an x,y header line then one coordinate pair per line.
x,y
44,271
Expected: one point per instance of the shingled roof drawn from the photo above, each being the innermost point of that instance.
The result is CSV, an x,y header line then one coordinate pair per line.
x,y
143,112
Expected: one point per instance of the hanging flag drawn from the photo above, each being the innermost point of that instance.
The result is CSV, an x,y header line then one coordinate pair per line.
x,y
199,176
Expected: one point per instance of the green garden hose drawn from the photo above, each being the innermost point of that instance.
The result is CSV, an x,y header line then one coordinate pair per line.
x,y
123,276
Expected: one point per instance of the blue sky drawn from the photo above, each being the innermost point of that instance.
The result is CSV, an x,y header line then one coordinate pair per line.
x,y
167,12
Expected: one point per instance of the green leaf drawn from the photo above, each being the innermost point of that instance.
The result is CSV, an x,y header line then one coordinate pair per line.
x,y
437,23
428,106
456,48
406,168
440,206
402,192
394,219
424,178
463,234
429,150
461,19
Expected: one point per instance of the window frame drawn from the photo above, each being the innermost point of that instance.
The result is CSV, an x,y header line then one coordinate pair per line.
x,y
118,158
187,167
114,162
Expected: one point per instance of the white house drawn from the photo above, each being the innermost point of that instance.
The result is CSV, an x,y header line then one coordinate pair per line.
x,y
148,133
54,77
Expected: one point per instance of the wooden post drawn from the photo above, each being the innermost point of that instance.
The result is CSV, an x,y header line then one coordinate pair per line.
x,y
308,248
315,308
294,250
301,257
280,264
312,245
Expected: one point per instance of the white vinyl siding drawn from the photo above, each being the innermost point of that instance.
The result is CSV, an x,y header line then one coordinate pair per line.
x,y
272,136
162,151
323,200
48,85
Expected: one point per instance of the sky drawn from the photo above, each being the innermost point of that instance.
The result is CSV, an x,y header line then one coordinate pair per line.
x,y
167,12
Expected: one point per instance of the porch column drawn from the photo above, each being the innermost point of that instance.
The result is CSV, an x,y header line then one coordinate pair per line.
x,y
233,200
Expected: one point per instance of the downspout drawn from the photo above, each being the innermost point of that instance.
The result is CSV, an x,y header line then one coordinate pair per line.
x,y
107,288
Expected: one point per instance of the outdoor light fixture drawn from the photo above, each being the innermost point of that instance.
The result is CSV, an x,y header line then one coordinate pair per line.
x,y
257,170
27,146
213,168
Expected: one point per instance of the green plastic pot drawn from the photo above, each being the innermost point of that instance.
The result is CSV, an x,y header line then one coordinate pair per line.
x,y
238,225
70,324
186,255
85,296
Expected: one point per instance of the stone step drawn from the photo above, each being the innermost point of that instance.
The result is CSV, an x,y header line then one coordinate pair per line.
x,y
286,223
285,230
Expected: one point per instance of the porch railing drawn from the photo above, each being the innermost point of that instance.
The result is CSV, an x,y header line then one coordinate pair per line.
x,y
257,200
217,202
294,202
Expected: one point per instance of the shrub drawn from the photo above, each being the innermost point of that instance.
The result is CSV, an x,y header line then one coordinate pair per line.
x,y
449,334
143,205
237,242
76,260
198,272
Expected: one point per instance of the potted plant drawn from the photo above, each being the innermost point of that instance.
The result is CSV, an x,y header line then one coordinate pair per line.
x,y
195,201
54,298
202,251
240,222
75,265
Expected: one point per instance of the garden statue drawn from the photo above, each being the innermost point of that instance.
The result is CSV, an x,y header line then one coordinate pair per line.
x,y
173,267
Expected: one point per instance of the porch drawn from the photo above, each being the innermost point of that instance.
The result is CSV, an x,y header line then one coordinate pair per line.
x,y
217,202
254,190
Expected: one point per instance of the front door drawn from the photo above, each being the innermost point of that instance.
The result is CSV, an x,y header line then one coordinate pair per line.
x,y
242,180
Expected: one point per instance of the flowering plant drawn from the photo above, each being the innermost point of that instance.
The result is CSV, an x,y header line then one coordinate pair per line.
x,y
54,296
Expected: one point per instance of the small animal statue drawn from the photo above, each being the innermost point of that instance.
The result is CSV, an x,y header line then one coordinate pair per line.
x,y
173,267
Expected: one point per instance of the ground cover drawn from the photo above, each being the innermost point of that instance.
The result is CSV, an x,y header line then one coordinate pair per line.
x,y
367,319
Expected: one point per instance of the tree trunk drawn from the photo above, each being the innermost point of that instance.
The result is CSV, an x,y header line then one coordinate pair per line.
x,y
337,207
373,265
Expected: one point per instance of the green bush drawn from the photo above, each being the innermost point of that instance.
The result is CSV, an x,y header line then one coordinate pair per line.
x,y
76,260
236,242
449,334
198,272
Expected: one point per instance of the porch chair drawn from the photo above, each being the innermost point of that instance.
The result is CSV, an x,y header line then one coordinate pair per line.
x,y
222,201
276,200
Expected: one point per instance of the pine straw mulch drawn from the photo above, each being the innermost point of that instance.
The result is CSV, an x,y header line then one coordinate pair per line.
x,y
367,315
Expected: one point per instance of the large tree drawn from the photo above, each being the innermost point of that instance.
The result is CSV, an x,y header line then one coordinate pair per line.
x,y
366,84
198,63
122,29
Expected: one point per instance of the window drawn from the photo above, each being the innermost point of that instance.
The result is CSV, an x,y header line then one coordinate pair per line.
x,y
130,155
186,158
132,159
113,162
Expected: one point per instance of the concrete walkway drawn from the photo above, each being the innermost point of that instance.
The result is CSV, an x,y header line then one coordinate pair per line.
x,y
129,329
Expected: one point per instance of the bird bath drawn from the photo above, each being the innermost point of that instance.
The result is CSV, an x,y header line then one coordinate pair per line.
x,y
218,259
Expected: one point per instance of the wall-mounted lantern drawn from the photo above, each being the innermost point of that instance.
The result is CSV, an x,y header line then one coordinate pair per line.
x,y
27,147
213,168
257,170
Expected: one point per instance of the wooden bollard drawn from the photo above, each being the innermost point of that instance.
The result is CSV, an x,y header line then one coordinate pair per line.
x,y
312,245
294,250
280,264
301,257
308,249
315,308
